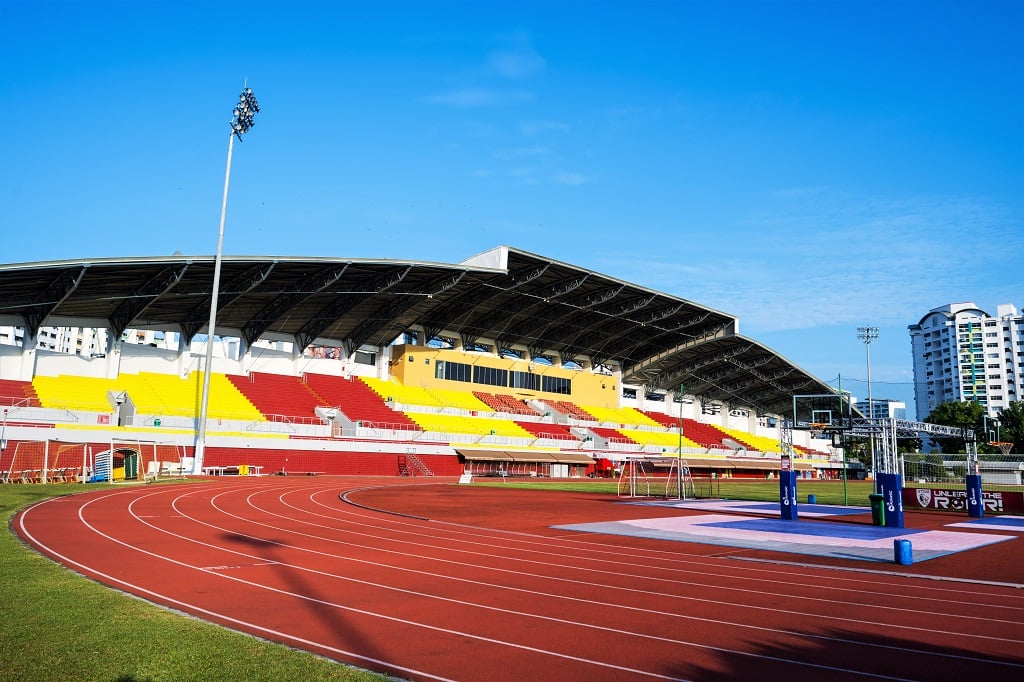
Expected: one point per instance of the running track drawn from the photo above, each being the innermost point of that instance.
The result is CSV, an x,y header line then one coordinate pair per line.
x,y
473,584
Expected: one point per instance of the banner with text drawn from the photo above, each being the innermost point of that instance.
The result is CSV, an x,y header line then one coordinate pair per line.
x,y
956,500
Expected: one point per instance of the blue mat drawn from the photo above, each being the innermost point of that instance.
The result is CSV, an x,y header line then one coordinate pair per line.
x,y
744,507
1011,523
819,538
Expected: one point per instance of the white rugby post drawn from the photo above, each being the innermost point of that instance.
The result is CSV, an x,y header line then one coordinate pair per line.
x,y
3,434
867,334
679,455
241,122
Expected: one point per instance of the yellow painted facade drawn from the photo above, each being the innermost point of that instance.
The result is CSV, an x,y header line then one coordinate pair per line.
x,y
416,366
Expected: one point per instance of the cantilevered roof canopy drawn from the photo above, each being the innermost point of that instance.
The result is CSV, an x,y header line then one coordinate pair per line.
x,y
508,298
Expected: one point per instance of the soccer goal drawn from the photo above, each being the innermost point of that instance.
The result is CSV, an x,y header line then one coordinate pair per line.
x,y
664,477
1003,472
46,461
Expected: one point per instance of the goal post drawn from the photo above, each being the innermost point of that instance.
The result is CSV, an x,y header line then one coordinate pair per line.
x,y
652,476
44,461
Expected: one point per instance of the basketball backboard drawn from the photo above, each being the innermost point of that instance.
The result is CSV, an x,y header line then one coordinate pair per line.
x,y
833,410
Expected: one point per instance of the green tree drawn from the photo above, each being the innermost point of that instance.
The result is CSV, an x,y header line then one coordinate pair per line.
x,y
1011,425
968,415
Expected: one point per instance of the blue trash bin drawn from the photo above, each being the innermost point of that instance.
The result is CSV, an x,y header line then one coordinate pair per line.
x,y
903,552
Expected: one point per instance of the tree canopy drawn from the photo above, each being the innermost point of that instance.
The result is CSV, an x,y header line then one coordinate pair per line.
x,y
1007,427
960,415
1011,425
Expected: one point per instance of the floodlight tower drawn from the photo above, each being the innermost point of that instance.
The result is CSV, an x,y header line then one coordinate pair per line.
x,y
867,335
244,112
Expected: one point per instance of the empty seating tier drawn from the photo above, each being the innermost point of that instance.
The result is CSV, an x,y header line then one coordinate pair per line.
x,y
752,442
572,410
613,435
500,402
358,402
545,430
279,395
15,392
621,415
477,426
87,394
663,439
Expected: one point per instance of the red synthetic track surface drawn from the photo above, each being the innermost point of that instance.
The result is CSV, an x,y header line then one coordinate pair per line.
x,y
486,590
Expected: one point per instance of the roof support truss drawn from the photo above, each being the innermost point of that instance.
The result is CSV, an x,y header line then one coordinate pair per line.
x,y
145,296
386,314
48,300
266,317
344,304
233,290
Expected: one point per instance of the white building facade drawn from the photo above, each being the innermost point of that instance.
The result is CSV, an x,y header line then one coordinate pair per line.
x,y
962,353
882,408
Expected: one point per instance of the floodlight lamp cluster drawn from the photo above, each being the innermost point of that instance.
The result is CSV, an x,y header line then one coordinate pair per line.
x,y
867,334
245,110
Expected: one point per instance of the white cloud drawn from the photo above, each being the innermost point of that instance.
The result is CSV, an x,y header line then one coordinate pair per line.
x,y
566,178
521,152
518,60
808,257
531,128
479,97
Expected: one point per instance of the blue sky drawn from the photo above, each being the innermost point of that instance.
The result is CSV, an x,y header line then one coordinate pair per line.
x,y
808,166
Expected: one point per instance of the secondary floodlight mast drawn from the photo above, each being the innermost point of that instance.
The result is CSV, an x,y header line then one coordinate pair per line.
x,y
867,335
242,121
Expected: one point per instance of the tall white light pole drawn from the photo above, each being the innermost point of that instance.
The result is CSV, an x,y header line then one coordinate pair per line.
x,y
867,335
241,122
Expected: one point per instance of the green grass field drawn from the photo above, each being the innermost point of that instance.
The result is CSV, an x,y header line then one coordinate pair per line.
x,y
57,625
825,492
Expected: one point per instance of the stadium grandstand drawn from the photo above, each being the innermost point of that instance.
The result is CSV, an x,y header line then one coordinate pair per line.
x,y
508,363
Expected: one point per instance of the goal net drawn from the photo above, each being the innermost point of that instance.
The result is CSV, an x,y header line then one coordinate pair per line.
x,y
998,472
46,461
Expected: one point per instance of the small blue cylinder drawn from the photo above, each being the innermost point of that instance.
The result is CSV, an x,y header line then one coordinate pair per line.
x,y
903,552
812,499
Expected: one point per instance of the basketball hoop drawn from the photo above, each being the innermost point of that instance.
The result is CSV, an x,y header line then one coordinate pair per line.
x,y
817,429
1003,447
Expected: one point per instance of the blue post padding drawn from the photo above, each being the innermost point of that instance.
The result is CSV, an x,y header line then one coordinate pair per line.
x,y
975,503
787,495
890,486
903,552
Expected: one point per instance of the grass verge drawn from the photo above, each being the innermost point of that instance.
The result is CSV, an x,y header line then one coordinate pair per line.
x,y
57,625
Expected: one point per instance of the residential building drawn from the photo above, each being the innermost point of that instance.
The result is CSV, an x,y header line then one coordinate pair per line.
x,y
962,353
882,408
